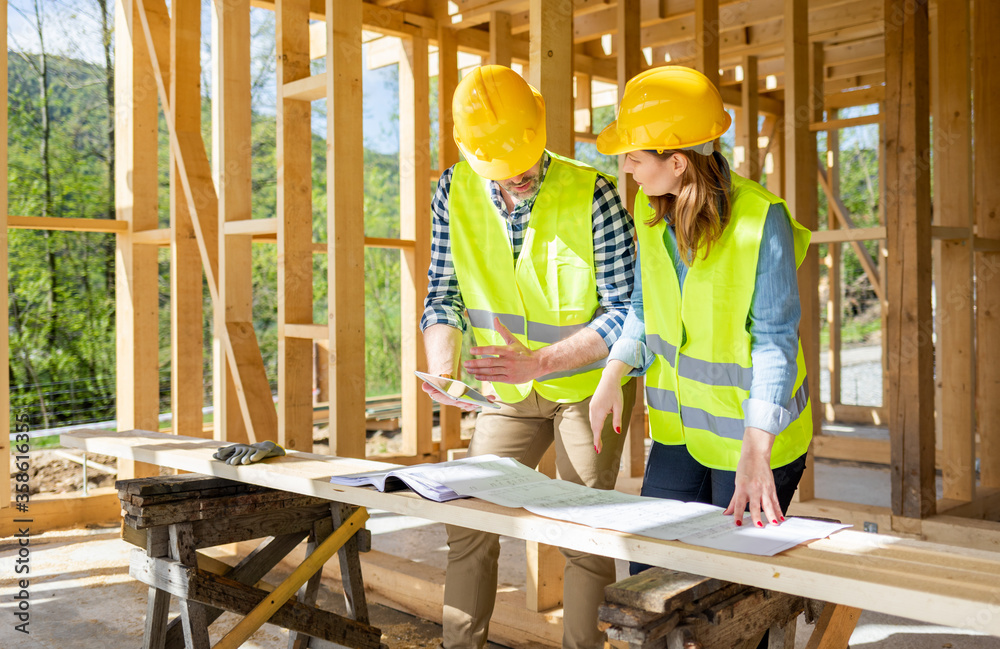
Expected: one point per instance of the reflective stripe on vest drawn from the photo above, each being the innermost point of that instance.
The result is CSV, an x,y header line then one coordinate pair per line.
x,y
549,292
702,370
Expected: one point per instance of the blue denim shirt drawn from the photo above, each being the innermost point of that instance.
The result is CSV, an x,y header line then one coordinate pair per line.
x,y
774,323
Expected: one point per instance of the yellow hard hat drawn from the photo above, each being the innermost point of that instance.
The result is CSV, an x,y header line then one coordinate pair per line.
x,y
669,107
499,122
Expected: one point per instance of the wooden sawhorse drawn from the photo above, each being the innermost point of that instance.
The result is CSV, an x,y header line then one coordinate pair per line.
x,y
668,609
171,517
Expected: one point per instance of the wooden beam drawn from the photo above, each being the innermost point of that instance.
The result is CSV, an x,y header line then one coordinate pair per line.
x,y
846,235
834,628
952,93
551,69
911,371
67,510
450,418
137,275
750,167
500,53
345,229
294,226
583,111
415,224
986,80
66,224
831,125
835,287
706,38
800,193
187,394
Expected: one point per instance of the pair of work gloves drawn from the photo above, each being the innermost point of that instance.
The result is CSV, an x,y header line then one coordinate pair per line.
x,y
248,453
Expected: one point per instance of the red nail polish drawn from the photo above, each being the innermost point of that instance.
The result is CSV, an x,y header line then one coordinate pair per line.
x,y
774,521
782,519
759,524
618,429
738,523
596,450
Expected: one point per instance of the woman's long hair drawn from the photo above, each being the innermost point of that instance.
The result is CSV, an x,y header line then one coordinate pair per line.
x,y
701,209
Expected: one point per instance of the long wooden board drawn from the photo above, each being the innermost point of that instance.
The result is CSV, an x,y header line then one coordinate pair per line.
x,y
934,583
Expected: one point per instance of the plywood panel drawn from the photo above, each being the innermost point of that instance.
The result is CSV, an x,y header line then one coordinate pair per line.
x,y
908,290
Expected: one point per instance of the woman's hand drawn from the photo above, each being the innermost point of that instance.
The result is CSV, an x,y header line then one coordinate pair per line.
x,y
607,399
755,482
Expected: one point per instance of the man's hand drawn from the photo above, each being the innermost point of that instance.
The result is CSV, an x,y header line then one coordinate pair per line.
x,y
442,397
248,453
755,482
512,363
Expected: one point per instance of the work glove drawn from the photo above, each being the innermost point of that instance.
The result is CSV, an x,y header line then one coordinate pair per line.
x,y
248,453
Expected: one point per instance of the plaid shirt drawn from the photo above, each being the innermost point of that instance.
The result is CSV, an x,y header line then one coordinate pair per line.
x,y
614,256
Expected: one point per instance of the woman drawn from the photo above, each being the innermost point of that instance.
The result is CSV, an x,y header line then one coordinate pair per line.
x,y
715,309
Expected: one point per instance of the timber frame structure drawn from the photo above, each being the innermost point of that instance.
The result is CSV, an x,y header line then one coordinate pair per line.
x,y
794,62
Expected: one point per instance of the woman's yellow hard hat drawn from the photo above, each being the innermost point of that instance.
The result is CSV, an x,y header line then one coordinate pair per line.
x,y
669,107
499,122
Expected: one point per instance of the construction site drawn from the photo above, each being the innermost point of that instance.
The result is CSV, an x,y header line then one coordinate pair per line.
x,y
137,537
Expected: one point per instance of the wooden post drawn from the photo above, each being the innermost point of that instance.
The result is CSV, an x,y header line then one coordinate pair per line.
x,y
911,371
583,113
800,193
833,303
294,159
4,317
629,65
706,38
450,418
345,229
500,46
137,275
952,89
551,68
231,170
749,114
987,134
186,336
415,224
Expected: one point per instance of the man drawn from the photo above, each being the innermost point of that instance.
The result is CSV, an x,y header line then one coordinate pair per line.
x,y
539,252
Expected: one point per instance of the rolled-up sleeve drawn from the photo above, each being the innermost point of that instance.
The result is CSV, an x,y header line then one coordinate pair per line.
x,y
443,304
631,348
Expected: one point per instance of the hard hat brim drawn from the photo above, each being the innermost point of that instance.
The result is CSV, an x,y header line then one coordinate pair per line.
x,y
609,142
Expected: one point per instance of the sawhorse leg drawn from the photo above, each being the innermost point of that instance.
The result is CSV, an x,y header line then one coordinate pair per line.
x,y
158,606
194,621
834,628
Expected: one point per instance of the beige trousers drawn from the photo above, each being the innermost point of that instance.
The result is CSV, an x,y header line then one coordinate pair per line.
x,y
524,431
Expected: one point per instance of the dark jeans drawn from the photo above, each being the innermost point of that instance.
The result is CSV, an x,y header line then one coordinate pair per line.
x,y
672,473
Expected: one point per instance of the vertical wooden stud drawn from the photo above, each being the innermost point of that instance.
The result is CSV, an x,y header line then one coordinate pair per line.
x,y
800,193
186,334
833,303
911,370
749,114
706,38
137,275
551,68
450,418
500,45
952,179
294,159
583,113
415,224
987,197
345,229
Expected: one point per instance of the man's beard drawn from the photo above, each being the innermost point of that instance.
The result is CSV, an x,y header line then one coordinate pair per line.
x,y
521,195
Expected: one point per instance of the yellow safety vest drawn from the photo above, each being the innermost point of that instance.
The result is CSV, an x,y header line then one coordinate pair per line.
x,y
545,295
702,371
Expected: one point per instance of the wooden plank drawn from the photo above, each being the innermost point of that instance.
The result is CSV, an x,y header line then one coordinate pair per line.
x,y
61,511
345,229
13,421
706,42
231,169
852,449
136,272
551,69
835,288
294,227
194,622
661,590
308,331
800,194
186,331
952,92
157,237
834,627
987,196
414,224
911,372
848,122
250,226
750,165
583,112
351,576
500,51
66,224
845,235
308,88
938,584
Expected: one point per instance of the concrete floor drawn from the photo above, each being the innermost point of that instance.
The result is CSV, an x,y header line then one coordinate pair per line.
x,y
81,596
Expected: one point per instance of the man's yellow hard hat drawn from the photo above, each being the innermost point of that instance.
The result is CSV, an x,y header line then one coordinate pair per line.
x,y
669,107
499,122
